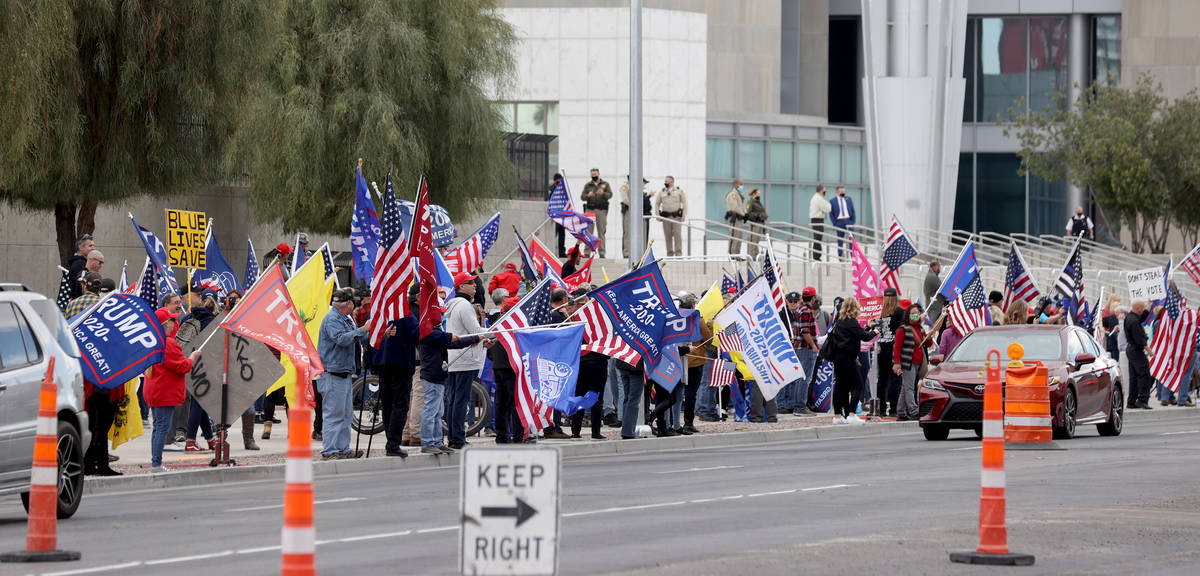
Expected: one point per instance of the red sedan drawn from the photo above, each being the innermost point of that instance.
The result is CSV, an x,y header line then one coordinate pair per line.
x,y
1085,383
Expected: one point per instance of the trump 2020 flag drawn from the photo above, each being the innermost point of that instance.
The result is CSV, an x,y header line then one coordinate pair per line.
x,y
822,389
158,255
767,350
217,270
965,269
364,229
549,362
642,313
118,339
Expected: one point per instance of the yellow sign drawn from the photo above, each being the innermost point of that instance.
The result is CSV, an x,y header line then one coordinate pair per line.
x,y
186,235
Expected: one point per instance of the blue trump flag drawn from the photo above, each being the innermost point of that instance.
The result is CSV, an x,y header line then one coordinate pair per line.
x,y
669,370
965,269
822,388
642,313
550,362
118,339
364,230
217,270
443,232
158,256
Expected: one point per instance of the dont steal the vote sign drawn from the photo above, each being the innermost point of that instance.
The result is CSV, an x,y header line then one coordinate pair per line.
x,y
118,339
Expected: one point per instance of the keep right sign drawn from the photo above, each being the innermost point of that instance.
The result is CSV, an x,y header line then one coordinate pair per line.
x,y
509,511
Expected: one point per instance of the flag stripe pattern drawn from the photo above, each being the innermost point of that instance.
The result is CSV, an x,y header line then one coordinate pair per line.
x,y
1018,282
1070,286
533,310
251,265
148,284
393,271
1174,340
471,253
1191,264
970,311
64,290
601,338
897,250
724,373
774,280
728,340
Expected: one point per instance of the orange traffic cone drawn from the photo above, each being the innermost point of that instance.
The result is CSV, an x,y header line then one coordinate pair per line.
x,y
299,535
993,535
42,539
1027,423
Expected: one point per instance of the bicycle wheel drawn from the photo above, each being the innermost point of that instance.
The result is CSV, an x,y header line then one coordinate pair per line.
x,y
367,415
479,412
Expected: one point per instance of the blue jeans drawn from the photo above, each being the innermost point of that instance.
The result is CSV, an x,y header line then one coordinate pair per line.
x,y
431,414
631,384
707,396
1185,381
458,392
612,394
335,413
162,429
808,361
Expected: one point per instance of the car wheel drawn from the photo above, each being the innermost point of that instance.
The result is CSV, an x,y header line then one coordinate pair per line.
x,y
1067,430
1116,415
70,472
935,432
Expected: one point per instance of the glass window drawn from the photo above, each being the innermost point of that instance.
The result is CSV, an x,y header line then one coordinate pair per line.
x,y
964,199
1074,346
1000,194
752,159
531,118
552,118
854,164
13,353
714,206
807,159
972,48
1106,50
719,155
779,200
781,160
1048,62
1038,345
505,111
831,163
1047,206
1001,66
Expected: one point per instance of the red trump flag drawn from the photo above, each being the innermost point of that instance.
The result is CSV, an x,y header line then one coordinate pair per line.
x,y
267,314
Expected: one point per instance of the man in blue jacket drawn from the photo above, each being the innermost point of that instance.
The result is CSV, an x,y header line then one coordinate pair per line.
x,y
395,363
842,216
337,346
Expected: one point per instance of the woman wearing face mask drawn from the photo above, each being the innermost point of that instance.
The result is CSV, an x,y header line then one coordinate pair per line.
x,y
907,355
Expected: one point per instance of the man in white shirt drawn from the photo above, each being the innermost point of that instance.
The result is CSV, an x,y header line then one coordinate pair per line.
x,y
818,209
1080,224
463,364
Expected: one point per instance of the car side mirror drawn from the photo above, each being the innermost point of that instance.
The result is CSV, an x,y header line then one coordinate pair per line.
x,y
1084,358
936,359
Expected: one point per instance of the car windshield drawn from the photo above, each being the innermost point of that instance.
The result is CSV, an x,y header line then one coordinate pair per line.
x,y
1039,345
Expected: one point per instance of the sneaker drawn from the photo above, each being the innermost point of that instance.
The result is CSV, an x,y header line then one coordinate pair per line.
x,y
334,456
854,419
445,450
192,446
598,437
159,469
351,454
557,435
839,420
399,452
431,450
174,447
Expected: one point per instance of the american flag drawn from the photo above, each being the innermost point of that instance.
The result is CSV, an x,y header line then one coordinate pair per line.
x,y
471,253
729,340
562,210
970,311
123,285
1174,340
728,284
896,251
774,280
1191,264
148,285
1070,286
541,255
251,265
600,338
393,270
64,290
581,276
299,256
329,263
533,310
724,373
1018,282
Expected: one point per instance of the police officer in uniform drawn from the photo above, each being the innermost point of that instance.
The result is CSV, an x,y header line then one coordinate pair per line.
x,y
672,207
1080,224
596,194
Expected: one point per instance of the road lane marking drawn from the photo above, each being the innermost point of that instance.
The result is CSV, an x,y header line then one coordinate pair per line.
x,y
108,568
1180,432
700,469
702,500
257,550
432,530
623,509
833,487
979,447
278,506
775,493
734,497
376,536
189,558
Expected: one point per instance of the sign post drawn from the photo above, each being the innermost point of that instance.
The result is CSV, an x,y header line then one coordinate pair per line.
x,y
186,235
510,511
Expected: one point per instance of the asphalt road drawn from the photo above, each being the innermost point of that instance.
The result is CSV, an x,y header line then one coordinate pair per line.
x,y
894,503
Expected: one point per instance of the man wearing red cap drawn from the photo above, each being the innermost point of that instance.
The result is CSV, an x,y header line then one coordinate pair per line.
x,y
463,363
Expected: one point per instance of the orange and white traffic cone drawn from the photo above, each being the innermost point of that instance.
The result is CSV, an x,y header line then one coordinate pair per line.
x,y
299,534
42,540
1027,423
993,535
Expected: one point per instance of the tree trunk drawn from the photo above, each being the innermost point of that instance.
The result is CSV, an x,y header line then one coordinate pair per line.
x,y
64,230
85,221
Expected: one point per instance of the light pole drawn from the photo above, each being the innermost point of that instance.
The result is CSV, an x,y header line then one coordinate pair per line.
x,y
636,241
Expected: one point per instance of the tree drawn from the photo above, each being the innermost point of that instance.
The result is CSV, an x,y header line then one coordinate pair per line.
x,y
1130,147
106,100
399,84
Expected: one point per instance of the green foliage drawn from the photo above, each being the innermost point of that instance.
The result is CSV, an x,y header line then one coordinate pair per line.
x,y
1131,148
398,84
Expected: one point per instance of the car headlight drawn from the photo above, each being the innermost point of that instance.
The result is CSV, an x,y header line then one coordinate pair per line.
x,y
1052,382
932,385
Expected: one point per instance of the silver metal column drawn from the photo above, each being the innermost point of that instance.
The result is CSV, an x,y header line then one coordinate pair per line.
x,y
1077,74
636,241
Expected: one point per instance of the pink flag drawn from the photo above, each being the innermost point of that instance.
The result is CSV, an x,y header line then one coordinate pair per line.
x,y
866,278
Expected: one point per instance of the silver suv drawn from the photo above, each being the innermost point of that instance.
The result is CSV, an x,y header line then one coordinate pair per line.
x,y
32,329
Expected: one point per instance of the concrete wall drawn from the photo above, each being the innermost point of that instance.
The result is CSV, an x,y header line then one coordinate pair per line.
x,y
1162,38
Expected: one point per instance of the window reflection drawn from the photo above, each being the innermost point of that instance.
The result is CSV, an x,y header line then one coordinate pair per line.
x,y
1002,65
1048,62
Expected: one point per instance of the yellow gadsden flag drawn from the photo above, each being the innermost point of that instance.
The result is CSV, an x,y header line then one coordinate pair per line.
x,y
310,291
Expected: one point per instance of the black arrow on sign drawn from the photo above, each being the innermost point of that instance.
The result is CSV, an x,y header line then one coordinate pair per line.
x,y
521,511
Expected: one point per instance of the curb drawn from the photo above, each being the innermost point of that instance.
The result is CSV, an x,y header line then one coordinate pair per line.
x,y
210,476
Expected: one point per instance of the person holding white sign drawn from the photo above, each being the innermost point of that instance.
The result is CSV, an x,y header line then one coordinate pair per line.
x,y
848,337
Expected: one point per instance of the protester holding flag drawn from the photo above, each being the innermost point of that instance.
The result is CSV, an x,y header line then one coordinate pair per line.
x,y
337,346
394,363
632,379
191,326
433,350
464,363
892,319
164,387
907,355
848,336
509,429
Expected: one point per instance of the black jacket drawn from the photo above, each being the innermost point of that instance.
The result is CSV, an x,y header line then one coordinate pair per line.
x,y
75,267
400,350
433,353
847,338
1135,335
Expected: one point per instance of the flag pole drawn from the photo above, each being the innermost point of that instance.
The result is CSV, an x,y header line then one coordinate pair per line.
x,y
528,328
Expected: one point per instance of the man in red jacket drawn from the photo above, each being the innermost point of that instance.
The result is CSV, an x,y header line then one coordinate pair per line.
x,y
164,387
509,280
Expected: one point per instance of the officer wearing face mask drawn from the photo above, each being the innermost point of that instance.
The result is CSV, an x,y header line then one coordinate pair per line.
x,y
735,216
596,194
672,207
